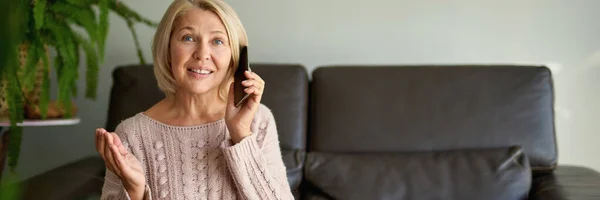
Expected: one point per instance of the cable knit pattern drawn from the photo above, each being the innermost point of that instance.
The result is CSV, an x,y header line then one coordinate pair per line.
x,y
199,162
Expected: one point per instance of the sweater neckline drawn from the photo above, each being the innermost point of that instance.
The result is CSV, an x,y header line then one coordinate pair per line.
x,y
205,125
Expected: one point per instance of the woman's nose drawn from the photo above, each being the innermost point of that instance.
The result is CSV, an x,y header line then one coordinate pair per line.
x,y
202,52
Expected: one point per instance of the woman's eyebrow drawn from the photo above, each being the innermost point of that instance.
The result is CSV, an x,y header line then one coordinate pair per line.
x,y
186,28
217,32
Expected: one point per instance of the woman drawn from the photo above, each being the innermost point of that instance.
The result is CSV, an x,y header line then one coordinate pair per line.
x,y
195,144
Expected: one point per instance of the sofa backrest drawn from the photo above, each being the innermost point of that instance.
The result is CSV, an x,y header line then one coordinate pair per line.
x,y
286,94
423,108
134,90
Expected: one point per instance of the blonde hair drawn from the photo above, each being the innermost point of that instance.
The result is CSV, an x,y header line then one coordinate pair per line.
x,y
160,47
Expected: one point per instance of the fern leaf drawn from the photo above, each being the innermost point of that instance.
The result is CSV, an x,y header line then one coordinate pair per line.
x,y
15,106
38,13
80,3
45,89
67,88
91,78
59,66
58,34
63,65
45,95
92,67
71,47
136,41
68,57
127,13
64,82
75,67
103,27
14,146
11,191
14,23
82,16
73,72
28,73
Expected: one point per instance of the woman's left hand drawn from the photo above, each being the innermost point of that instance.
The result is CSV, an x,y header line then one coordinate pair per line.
x,y
239,119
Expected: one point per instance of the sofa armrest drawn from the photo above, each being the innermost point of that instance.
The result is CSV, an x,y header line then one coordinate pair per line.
x,y
566,183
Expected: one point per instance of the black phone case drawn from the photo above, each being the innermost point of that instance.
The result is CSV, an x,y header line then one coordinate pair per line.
x,y
244,65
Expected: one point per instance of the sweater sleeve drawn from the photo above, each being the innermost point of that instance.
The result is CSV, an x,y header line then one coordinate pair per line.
x,y
258,170
113,187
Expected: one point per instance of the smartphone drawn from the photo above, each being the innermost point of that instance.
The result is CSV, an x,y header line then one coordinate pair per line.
x,y
239,96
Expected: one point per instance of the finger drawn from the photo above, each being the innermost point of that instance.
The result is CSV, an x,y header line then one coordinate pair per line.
x,y
249,74
253,82
96,139
100,132
108,154
108,165
254,101
118,158
106,148
249,90
252,87
253,90
101,143
248,82
258,79
102,147
116,139
119,145
254,76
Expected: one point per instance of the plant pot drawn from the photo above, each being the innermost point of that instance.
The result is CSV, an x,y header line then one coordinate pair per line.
x,y
32,95
55,110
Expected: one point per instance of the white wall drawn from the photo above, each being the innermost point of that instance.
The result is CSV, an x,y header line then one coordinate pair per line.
x,y
563,34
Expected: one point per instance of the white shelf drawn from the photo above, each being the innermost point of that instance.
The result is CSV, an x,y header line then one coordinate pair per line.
x,y
43,122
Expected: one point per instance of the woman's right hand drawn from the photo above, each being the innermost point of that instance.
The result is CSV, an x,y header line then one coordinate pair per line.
x,y
122,163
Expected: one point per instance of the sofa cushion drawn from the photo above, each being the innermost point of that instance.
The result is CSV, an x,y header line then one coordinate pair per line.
x,y
495,173
422,108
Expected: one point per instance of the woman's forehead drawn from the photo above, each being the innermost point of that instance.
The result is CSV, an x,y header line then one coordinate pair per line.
x,y
199,19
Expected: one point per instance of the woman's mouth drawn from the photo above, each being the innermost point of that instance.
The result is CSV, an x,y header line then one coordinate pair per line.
x,y
199,73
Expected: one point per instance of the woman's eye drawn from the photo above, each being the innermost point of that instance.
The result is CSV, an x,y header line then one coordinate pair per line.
x,y
188,38
218,41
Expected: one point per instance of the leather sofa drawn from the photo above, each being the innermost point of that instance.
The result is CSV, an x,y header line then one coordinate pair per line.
x,y
386,132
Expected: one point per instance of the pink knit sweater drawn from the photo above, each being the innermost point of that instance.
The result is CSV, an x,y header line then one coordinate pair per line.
x,y
199,162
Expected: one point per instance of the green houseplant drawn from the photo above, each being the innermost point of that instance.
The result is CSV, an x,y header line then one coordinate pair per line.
x,y
66,27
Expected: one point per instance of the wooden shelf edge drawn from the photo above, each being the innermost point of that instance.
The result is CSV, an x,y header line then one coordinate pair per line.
x,y
43,122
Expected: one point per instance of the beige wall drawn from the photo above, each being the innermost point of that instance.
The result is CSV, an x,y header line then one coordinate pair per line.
x,y
563,34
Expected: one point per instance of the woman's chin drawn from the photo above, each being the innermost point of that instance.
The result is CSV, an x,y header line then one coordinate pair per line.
x,y
200,90
199,87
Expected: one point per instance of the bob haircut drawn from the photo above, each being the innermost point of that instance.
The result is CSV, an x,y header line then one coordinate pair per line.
x,y
161,51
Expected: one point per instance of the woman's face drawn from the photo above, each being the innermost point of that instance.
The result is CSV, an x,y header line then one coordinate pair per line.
x,y
199,50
